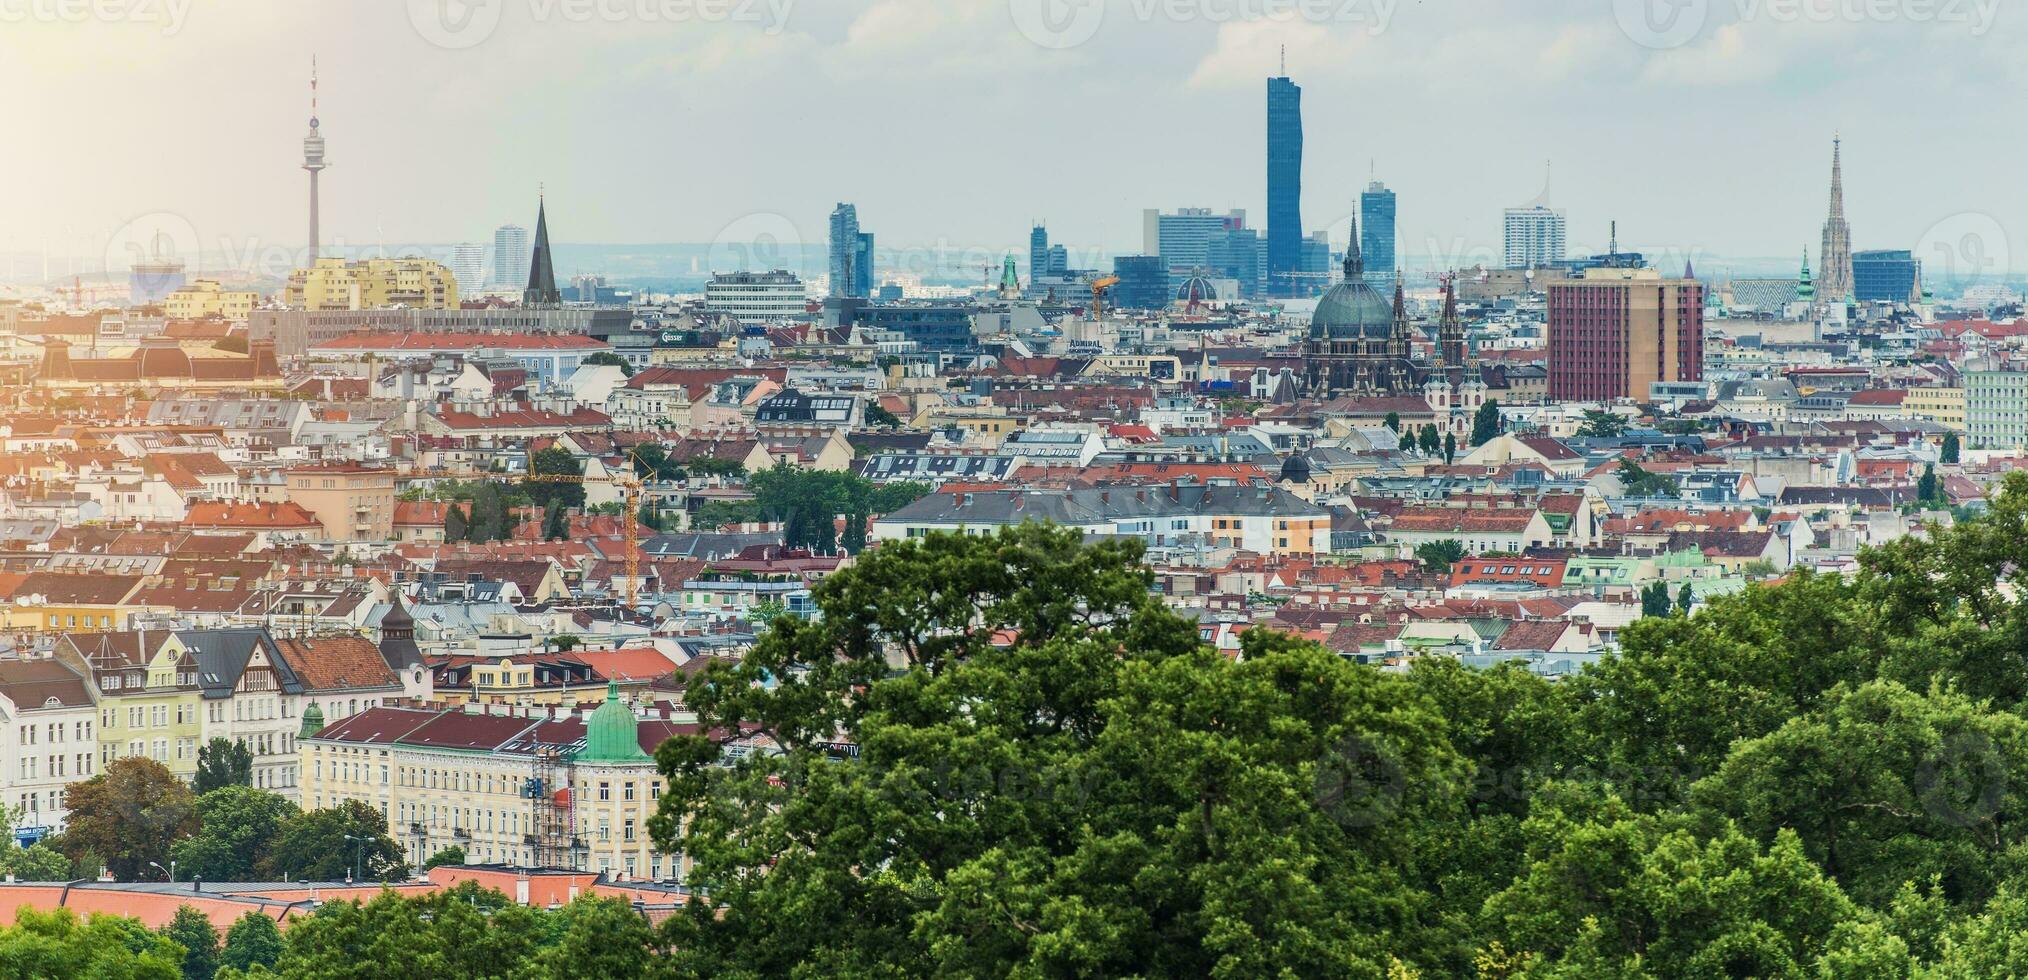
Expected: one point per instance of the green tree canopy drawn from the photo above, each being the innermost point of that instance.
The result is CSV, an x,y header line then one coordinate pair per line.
x,y
312,845
193,931
222,762
129,815
1438,556
237,828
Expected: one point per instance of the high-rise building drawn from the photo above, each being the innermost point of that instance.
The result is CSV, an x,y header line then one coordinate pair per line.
x,y
1996,404
468,264
510,255
313,160
1377,237
1284,185
1239,254
1144,282
1835,285
541,289
851,265
1886,276
1184,238
1615,332
1045,261
1534,237
1314,263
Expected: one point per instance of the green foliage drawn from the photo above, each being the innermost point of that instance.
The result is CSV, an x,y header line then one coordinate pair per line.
x,y
553,461
1437,557
651,462
713,466
465,932
57,944
881,418
1392,421
1929,489
37,862
808,502
1602,425
1486,422
1450,447
1640,482
222,762
128,815
1655,599
453,856
1951,449
606,357
313,845
253,942
237,825
1427,440
724,513
193,931
456,524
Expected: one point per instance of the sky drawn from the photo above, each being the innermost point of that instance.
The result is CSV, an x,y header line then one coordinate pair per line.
x,y
1703,127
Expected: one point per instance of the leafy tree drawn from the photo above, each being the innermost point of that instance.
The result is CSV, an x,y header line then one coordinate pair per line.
x,y
565,642
453,856
1438,556
722,513
1392,421
596,938
129,815
651,462
1655,599
237,827
554,461
455,524
1929,489
38,862
253,943
649,517
1450,447
555,523
1061,781
1685,598
57,944
713,466
854,539
1637,481
222,762
1428,441
1486,422
1602,425
313,845
1951,450
609,358
1407,443
193,931
881,418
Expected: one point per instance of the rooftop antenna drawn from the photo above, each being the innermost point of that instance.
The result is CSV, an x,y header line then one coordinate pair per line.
x,y
1285,61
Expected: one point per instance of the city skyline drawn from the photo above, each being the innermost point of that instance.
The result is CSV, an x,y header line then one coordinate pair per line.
x,y
1214,72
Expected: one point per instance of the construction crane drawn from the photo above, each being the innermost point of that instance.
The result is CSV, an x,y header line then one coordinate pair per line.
x,y
630,525
1099,288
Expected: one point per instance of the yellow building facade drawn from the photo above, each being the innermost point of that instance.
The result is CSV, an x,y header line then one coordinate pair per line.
x,y
335,284
206,298
1944,406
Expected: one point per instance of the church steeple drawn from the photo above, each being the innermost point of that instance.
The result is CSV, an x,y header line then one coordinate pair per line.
x,y
1355,264
541,289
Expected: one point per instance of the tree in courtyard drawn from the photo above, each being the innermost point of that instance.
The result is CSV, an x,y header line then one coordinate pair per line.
x,y
1437,557
193,931
222,762
1486,422
253,942
129,815
314,845
237,826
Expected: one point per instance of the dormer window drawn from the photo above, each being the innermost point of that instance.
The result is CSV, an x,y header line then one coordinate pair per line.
x,y
110,682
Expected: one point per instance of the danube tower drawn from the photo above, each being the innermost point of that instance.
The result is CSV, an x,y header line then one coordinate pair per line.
x,y
313,159
1836,282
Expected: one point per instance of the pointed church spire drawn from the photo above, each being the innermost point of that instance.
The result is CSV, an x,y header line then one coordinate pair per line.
x,y
1355,264
541,289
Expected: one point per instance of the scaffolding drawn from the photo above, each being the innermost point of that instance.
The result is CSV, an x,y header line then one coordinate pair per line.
x,y
553,816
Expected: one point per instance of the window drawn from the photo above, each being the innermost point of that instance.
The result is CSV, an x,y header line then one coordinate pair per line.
x,y
605,790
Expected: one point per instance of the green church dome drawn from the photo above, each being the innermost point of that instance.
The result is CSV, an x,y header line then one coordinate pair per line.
x,y
612,734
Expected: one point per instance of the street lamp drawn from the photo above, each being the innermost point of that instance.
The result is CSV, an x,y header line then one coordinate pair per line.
x,y
170,870
357,849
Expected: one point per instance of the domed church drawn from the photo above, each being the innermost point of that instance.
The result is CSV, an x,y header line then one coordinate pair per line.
x,y
1359,343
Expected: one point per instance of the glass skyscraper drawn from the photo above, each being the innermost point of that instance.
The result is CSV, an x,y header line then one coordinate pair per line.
x,y
1144,282
1376,235
1886,276
851,265
1284,185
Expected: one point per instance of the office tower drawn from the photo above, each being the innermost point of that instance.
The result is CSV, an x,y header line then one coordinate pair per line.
x,y
755,297
541,289
1615,332
862,265
1144,282
1183,239
1534,237
1284,184
313,160
510,255
468,264
1239,254
1038,253
1314,264
1886,276
1376,243
851,253
1835,285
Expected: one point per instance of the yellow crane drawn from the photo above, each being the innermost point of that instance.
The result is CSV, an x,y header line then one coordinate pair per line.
x,y
1099,288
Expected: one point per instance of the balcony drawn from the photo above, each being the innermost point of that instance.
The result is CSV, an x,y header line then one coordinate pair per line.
x,y
418,829
461,833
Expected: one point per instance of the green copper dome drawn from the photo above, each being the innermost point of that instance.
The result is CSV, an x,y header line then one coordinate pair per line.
x,y
1353,309
612,735
313,721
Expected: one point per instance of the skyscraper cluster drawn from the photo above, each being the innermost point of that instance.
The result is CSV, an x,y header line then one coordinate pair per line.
x,y
851,265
